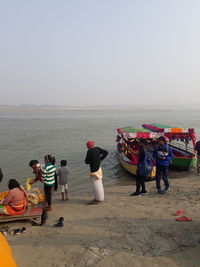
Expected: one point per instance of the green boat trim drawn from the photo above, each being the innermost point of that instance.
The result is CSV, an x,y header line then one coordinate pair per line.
x,y
134,130
161,126
184,163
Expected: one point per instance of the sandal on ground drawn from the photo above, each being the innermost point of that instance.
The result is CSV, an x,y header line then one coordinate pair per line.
x,y
17,232
4,230
184,219
23,230
60,222
12,232
179,212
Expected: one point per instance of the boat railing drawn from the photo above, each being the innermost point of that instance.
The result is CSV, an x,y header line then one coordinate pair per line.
x,y
189,148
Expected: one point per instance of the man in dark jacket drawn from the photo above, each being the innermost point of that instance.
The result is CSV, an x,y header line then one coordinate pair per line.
x,y
197,148
1,175
94,157
163,154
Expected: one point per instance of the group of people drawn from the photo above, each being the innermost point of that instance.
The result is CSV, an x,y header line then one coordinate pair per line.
x,y
162,155
47,174
16,200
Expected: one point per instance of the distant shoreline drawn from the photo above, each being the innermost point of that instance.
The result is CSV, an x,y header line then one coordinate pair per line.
x,y
77,109
97,108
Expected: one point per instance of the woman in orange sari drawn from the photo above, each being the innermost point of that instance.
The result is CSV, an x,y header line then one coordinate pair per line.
x,y
15,202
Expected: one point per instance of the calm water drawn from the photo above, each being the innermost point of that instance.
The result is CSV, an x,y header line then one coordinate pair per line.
x,y
32,134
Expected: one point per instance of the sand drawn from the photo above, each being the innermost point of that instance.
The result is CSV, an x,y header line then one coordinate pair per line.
x,y
122,231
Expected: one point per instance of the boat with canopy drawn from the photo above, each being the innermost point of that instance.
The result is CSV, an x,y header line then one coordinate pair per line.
x,y
128,140
181,140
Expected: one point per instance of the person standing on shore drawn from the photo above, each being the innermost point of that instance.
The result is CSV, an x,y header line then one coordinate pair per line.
x,y
197,148
48,177
94,157
63,174
37,170
1,175
142,173
162,154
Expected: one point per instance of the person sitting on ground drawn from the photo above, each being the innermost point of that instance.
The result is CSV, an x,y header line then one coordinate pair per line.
x,y
63,174
37,170
163,154
16,200
141,176
48,177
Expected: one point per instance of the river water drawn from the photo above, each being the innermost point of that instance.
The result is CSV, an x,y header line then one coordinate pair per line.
x,y
27,135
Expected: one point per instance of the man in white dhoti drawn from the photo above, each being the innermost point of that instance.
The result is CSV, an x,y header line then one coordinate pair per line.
x,y
94,157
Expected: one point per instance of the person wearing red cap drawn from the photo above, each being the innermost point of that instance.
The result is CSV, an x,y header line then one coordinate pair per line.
x,y
94,157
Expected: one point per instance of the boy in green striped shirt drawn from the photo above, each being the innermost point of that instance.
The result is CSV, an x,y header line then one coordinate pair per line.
x,y
48,176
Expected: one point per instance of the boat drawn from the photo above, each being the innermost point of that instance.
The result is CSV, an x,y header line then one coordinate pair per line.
x,y
129,138
181,140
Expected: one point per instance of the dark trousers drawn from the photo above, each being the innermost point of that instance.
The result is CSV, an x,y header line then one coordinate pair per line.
x,y
162,172
140,182
48,193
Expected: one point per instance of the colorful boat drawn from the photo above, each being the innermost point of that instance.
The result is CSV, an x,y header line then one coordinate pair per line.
x,y
128,138
181,140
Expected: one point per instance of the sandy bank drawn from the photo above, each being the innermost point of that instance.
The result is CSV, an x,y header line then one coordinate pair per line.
x,y
123,231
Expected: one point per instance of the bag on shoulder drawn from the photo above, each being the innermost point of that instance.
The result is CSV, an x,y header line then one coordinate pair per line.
x,y
146,166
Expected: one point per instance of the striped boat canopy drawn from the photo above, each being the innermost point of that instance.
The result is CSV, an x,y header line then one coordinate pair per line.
x,y
154,127
161,126
132,133
173,133
133,130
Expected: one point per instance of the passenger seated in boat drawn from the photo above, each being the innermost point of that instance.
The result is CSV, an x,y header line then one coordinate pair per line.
x,y
133,154
15,202
121,147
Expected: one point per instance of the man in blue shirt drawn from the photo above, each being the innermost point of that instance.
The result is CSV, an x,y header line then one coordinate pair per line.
x,y
163,154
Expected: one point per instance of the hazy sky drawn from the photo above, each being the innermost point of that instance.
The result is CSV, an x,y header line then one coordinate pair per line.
x,y
87,52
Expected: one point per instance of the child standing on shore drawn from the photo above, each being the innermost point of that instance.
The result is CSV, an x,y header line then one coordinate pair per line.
x,y
63,174
48,176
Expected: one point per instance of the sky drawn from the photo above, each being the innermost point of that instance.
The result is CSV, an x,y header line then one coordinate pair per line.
x,y
99,52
